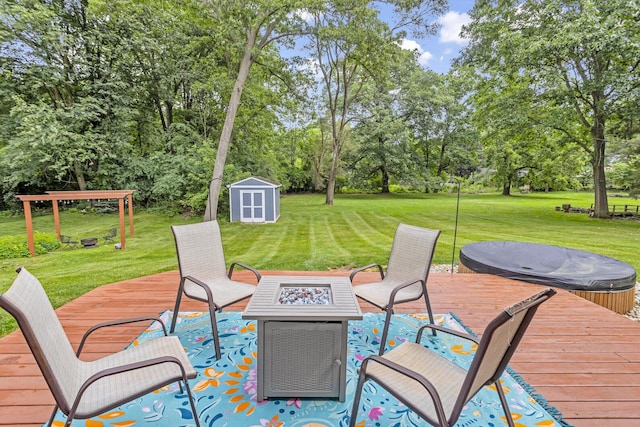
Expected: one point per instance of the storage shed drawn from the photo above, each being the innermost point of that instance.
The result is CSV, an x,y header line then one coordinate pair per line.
x,y
254,199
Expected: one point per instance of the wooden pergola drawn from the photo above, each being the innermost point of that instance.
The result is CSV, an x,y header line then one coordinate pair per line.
x,y
56,196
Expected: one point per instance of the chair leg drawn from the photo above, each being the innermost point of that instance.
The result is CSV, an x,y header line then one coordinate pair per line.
x,y
214,330
505,405
53,415
356,398
176,309
192,403
385,330
428,304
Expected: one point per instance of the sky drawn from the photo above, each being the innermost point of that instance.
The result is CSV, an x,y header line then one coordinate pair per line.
x,y
437,52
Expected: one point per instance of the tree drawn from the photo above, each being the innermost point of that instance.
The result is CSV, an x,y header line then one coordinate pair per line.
x,y
383,145
69,112
516,147
580,57
248,29
384,149
351,46
439,113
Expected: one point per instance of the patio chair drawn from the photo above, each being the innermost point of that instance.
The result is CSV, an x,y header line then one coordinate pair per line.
x,y
111,234
407,273
437,389
203,274
68,240
83,389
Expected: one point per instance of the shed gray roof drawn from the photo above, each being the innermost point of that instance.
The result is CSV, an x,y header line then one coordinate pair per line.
x,y
255,180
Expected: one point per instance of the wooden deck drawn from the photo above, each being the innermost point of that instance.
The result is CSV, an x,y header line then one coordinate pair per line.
x,y
584,359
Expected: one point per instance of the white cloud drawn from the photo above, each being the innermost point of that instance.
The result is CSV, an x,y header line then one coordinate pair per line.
x,y
422,56
411,45
452,23
304,15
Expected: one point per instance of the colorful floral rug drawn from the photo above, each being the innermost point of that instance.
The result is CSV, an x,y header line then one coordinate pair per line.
x,y
225,390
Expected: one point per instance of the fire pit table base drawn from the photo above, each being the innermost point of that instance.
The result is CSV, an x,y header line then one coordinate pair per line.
x,y
302,347
304,359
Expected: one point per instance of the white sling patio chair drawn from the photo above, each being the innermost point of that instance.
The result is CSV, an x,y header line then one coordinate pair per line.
x,y
437,389
84,389
203,274
407,273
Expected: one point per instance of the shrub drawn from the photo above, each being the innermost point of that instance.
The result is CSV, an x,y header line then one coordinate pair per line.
x,y
17,246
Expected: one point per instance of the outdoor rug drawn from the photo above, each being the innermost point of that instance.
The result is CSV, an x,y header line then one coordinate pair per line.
x,y
225,390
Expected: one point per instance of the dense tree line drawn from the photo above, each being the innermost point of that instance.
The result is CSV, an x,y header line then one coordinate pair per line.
x,y
176,99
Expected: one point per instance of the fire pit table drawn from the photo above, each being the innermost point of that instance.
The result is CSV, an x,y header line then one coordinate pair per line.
x,y
302,335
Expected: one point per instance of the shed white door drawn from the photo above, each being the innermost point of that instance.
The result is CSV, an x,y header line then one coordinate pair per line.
x,y
251,206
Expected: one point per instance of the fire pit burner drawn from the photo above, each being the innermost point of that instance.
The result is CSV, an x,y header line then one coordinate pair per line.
x,y
305,295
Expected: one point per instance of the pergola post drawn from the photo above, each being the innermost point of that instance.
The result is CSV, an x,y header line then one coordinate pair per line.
x,y
121,215
56,217
27,219
130,200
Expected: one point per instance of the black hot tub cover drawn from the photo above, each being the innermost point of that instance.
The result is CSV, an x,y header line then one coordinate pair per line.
x,y
548,265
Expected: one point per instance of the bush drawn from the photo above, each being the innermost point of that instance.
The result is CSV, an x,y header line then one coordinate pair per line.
x,y
17,246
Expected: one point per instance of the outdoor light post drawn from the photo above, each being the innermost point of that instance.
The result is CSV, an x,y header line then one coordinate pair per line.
x,y
455,230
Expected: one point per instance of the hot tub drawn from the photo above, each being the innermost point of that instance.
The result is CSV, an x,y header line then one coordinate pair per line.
x,y
604,280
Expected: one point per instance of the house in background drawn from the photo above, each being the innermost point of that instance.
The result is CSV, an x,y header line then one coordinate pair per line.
x,y
254,199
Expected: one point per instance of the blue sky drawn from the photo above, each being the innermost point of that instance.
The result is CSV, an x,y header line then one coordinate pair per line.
x,y
437,52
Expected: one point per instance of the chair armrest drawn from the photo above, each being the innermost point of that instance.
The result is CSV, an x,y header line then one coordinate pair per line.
x,y
366,267
253,270
117,323
196,281
206,288
392,296
428,385
447,331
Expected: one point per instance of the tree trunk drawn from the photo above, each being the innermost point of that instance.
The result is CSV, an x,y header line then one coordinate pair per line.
x,y
331,182
156,100
427,189
82,183
506,188
169,107
601,204
385,180
443,149
215,186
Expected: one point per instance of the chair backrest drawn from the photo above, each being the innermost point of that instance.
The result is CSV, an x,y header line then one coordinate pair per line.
x,y
199,250
411,253
28,303
66,239
498,344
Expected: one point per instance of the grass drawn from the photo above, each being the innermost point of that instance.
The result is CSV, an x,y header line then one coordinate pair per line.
x,y
356,231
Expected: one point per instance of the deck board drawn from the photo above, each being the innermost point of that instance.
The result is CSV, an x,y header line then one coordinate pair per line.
x,y
583,358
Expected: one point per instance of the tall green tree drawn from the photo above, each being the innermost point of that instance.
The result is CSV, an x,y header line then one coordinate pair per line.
x,y
516,145
350,46
581,58
246,30
439,112
383,149
68,108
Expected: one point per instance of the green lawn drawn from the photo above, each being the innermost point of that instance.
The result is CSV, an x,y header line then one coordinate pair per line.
x,y
309,235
